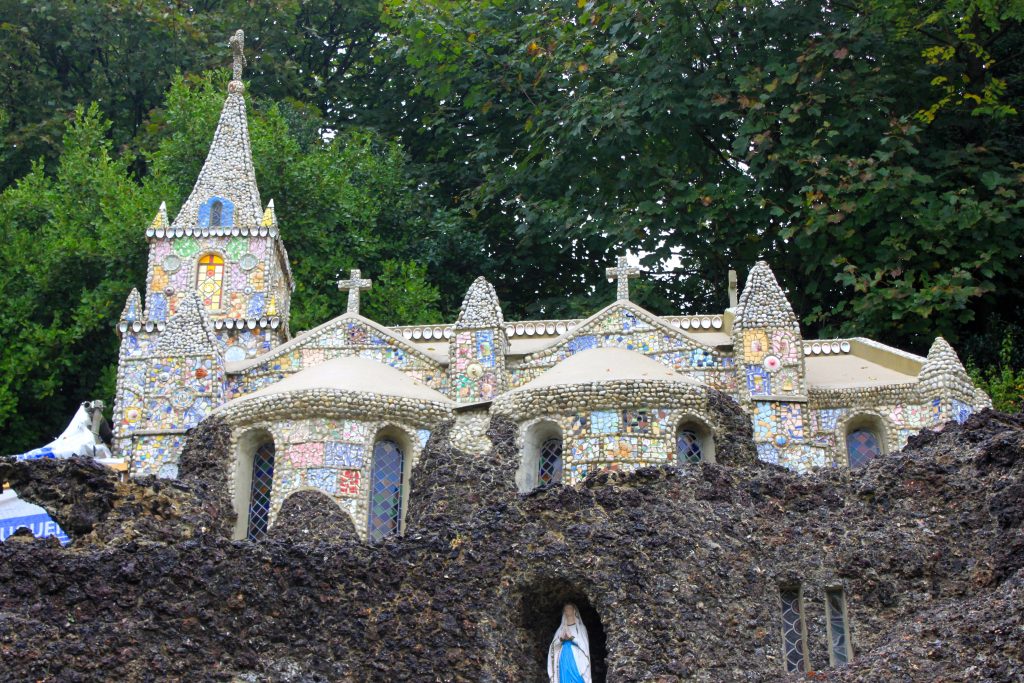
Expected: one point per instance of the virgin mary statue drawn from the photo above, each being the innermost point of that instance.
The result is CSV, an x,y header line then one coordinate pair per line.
x,y
569,654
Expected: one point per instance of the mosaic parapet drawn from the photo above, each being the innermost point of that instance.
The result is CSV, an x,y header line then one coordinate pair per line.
x,y
624,325
349,335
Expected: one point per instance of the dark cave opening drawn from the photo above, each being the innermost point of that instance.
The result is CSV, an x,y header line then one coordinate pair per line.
x,y
541,615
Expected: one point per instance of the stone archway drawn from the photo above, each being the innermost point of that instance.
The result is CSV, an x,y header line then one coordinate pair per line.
x,y
541,613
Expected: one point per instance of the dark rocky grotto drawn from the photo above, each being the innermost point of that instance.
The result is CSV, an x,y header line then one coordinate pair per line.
x,y
677,572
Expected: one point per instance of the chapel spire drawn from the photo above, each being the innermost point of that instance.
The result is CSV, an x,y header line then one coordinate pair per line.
x,y
225,194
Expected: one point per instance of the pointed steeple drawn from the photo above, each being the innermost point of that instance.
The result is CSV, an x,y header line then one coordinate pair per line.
x,y
942,368
762,302
188,331
225,194
132,307
269,216
480,308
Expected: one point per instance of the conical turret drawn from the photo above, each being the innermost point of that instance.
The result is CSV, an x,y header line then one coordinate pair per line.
x,y
225,194
188,332
767,339
132,307
943,370
477,351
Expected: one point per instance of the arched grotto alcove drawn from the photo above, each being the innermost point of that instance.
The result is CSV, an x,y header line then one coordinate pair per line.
x,y
541,614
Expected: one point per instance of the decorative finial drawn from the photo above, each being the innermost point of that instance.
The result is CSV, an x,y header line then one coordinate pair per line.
x,y
622,272
237,43
354,284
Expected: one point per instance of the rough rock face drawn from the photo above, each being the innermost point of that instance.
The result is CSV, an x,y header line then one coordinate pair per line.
x,y
676,572
310,515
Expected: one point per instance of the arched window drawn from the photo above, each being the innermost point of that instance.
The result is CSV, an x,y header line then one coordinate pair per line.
x,y
862,446
541,461
259,494
216,213
549,467
386,490
210,280
688,447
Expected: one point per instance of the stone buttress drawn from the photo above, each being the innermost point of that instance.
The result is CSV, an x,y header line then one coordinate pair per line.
x,y
772,382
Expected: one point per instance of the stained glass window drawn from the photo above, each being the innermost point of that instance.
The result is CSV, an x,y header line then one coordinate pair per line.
x,y
839,646
210,280
862,447
688,450
793,639
216,212
386,490
550,465
259,495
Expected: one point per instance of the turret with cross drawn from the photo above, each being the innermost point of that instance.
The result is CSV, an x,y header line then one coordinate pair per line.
x,y
354,284
622,272
237,43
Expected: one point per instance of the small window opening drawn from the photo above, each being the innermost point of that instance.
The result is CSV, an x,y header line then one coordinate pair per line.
x,y
386,490
839,652
216,213
550,465
688,447
794,633
259,495
862,446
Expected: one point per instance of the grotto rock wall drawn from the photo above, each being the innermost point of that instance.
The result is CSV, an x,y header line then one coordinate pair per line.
x,y
682,568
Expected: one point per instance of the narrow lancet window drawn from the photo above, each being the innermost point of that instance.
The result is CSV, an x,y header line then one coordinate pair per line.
x,y
216,213
549,469
259,495
862,446
839,652
794,635
688,447
385,490
210,280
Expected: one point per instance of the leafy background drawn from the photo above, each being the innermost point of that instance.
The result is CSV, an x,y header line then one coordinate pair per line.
x,y
870,150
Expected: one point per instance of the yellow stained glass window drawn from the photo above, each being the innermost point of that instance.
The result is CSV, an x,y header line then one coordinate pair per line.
x,y
210,280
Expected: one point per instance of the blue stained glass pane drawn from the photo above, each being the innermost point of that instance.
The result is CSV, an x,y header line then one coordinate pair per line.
x,y
385,490
862,447
688,451
259,496
550,466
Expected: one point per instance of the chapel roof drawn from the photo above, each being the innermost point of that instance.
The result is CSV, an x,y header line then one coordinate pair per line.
x,y
351,374
606,365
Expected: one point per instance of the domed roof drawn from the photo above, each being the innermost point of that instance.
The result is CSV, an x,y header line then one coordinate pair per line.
x,y
606,365
354,374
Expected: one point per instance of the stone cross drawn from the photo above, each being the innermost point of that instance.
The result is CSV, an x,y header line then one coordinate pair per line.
x,y
237,44
354,284
734,292
622,272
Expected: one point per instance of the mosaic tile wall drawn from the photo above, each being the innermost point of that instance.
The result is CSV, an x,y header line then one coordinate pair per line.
x,y
343,338
477,365
625,328
622,440
252,285
334,457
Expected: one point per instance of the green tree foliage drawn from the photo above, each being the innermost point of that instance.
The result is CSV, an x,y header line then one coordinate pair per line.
x,y
717,133
123,56
73,242
71,247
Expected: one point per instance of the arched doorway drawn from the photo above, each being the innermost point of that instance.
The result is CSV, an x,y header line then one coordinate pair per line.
x,y
541,612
